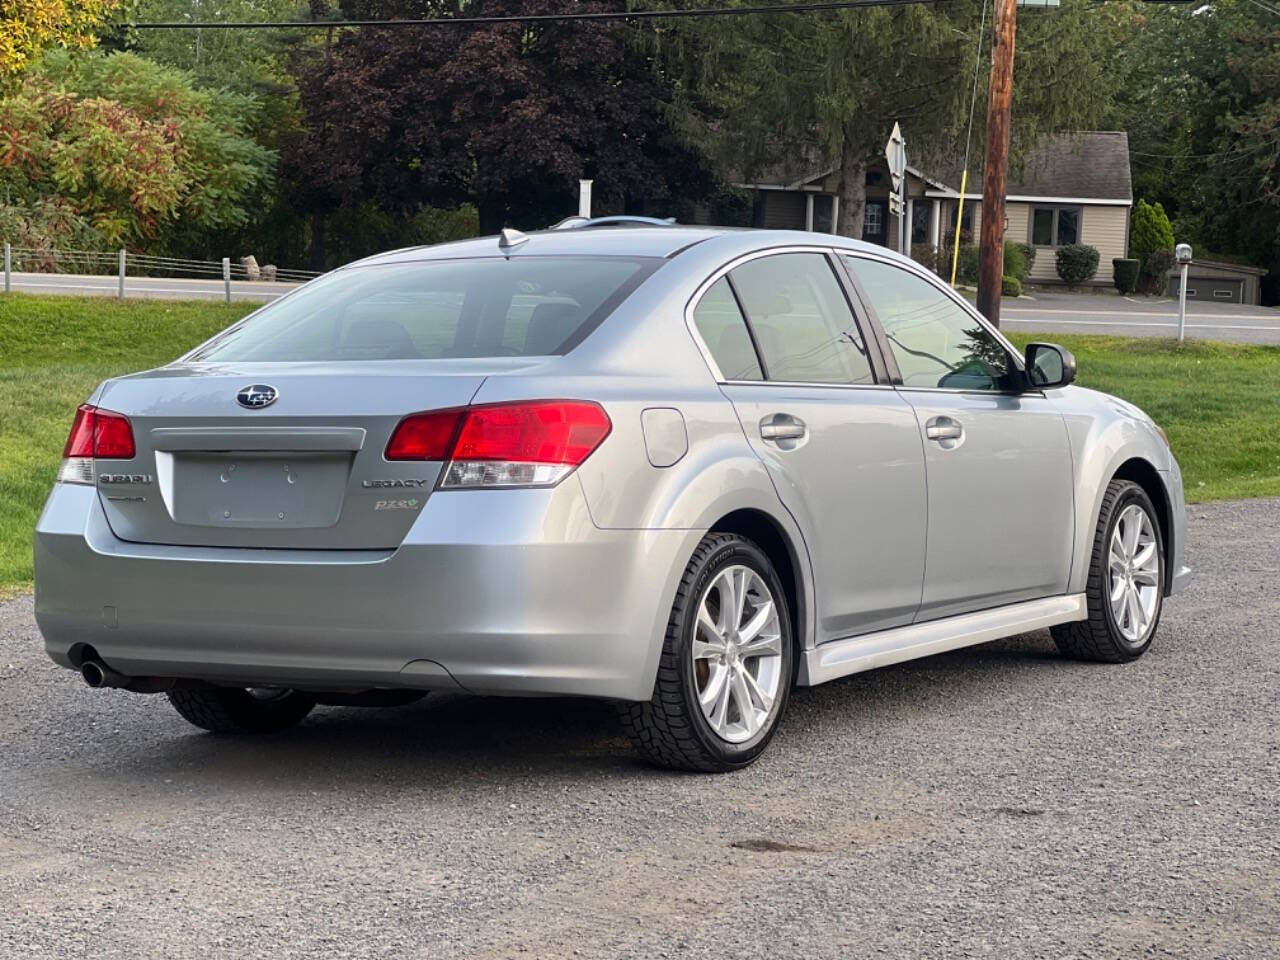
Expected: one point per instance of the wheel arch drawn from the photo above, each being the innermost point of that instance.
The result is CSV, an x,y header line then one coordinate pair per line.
x,y
1142,472
783,553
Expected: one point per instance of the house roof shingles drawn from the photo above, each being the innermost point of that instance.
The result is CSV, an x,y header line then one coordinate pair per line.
x,y
1092,165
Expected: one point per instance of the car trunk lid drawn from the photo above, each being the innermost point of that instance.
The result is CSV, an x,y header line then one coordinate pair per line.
x,y
305,470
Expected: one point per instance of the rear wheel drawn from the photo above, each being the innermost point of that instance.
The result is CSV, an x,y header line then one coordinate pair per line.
x,y
727,663
1125,590
237,710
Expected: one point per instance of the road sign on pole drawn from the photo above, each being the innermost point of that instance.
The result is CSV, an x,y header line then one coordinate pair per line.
x,y
895,152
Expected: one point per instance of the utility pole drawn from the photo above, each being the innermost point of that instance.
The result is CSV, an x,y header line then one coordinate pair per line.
x,y
1000,97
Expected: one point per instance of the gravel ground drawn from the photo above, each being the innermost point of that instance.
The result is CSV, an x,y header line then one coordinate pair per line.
x,y
994,802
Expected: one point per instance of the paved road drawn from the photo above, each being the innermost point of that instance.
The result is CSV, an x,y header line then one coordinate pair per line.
x,y
1047,312
160,288
997,802
1140,317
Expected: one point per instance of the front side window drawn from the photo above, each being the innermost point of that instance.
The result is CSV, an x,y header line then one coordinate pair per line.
x,y
801,320
724,330
935,342
428,310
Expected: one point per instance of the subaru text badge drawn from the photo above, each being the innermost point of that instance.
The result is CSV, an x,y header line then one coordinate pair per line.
x,y
257,395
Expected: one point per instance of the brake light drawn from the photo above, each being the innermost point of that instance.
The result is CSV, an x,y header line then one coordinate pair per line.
x,y
424,436
95,434
534,443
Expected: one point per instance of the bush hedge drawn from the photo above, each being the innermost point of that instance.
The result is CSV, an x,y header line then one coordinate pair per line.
x,y
1125,274
1015,261
1155,270
929,257
1010,286
1077,262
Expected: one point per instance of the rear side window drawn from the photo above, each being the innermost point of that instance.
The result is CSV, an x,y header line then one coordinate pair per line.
x,y
428,310
801,320
724,331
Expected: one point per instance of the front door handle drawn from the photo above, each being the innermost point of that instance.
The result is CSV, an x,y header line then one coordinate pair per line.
x,y
944,429
782,426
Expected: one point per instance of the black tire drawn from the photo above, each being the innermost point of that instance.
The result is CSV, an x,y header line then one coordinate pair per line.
x,y
670,729
1099,638
235,710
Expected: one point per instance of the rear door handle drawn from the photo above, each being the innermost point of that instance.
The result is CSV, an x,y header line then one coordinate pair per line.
x,y
943,428
782,426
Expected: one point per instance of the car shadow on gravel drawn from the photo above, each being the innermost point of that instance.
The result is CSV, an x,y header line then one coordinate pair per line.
x,y
461,738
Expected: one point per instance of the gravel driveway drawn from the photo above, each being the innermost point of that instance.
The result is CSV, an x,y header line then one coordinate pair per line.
x,y
999,801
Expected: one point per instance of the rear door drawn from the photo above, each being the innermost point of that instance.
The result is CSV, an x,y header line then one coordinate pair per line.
x,y
1001,493
842,449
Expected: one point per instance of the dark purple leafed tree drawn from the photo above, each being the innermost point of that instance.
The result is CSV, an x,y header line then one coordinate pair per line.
x,y
505,116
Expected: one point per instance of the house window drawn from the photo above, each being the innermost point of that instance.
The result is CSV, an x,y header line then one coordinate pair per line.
x,y
966,224
1055,226
873,220
823,217
920,212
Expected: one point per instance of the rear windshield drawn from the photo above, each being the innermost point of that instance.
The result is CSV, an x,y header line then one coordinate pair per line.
x,y
428,310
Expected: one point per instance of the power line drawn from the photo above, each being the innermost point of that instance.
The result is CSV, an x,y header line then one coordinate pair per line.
x,y
817,7
1266,6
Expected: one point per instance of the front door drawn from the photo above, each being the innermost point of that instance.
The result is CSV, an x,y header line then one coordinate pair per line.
x,y
843,451
998,461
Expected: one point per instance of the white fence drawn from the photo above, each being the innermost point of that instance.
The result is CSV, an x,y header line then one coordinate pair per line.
x,y
122,265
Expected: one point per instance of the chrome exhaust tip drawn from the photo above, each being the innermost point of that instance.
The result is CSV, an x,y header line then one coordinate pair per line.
x,y
97,674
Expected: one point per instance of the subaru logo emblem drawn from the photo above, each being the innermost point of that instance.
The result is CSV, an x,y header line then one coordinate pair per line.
x,y
257,395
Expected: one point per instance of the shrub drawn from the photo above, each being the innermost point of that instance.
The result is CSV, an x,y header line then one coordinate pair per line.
x,y
1125,274
1029,252
1015,261
1077,262
967,269
928,256
1155,270
1010,286
1150,231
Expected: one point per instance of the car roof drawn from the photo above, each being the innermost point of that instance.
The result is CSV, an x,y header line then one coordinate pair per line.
x,y
612,241
628,241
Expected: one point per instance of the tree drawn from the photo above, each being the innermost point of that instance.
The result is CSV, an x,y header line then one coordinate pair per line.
x,y
507,117
130,148
29,26
1150,230
825,89
1199,93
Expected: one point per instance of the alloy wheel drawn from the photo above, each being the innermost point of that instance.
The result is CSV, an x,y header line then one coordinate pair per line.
x,y
737,653
1134,567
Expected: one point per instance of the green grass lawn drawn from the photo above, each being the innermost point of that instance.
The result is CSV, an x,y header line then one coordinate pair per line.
x,y
1219,402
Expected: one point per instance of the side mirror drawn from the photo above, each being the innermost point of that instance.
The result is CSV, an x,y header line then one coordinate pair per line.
x,y
1049,365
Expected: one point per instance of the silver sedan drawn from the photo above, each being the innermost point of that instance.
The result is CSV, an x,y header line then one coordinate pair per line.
x,y
681,468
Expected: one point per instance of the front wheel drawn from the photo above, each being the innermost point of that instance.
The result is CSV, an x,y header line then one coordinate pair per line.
x,y
727,663
237,710
1125,590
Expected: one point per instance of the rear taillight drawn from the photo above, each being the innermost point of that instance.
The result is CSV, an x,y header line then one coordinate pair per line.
x,y
95,435
503,445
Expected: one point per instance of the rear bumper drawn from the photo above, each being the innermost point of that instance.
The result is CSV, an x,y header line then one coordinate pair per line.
x,y
510,592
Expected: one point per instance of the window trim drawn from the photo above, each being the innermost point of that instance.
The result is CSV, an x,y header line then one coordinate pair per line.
x,y
1055,209
929,277
875,356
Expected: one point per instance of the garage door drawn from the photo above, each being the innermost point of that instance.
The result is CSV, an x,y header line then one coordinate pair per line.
x,y
1221,289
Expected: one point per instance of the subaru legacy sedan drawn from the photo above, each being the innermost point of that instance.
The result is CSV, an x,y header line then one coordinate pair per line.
x,y
680,468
